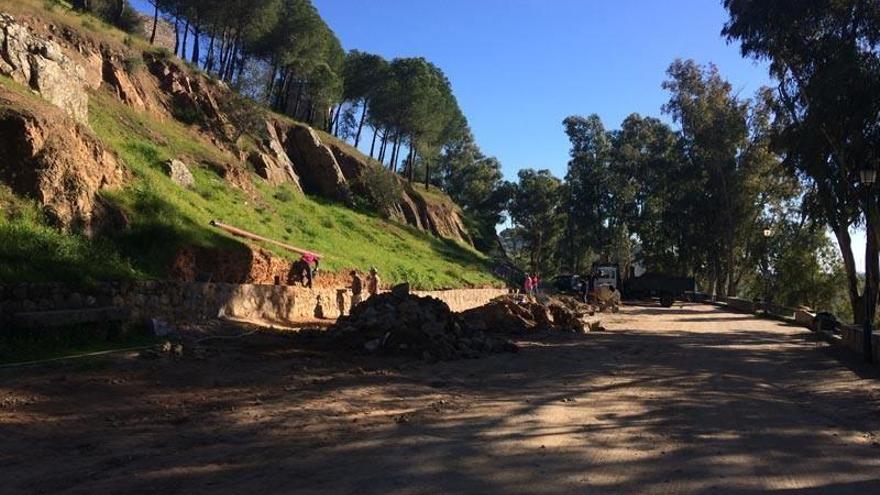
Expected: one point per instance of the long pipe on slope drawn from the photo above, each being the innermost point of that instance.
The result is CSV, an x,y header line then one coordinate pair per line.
x,y
254,237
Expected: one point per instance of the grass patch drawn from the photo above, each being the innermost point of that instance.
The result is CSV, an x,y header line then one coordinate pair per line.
x,y
32,250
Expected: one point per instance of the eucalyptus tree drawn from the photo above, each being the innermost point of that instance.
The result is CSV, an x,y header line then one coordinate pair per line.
x,y
824,57
536,211
587,194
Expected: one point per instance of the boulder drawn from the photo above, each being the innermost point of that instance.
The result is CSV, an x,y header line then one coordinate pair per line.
x,y
273,164
41,65
49,157
179,173
315,163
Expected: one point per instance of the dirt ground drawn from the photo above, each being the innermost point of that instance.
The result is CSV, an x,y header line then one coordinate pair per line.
x,y
683,400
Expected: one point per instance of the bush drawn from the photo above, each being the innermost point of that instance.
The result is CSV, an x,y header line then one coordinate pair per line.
x,y
284,195
133,63
162,53
379,188
245,115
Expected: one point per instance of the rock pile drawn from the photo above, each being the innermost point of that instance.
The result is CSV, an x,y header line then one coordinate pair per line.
x,y
514,314
398,322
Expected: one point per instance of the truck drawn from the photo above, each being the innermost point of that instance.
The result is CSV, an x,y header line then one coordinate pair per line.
x,y
667,288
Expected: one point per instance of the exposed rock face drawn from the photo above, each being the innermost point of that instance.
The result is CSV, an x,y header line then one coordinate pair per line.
x,y
40,64
414,209
125,89
49,157
192,99
179,173
440,219
273,164
315,163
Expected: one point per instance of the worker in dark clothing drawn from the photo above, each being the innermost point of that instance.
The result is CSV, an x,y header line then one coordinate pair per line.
x,y
304,268
357,289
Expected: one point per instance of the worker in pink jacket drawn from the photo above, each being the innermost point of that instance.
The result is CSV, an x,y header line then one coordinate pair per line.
x,y
307,260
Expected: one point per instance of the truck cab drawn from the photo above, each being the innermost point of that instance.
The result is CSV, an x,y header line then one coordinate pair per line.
x,y
606,274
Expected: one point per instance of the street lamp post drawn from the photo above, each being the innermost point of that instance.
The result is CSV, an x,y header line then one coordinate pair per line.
x,y
766,272
868,176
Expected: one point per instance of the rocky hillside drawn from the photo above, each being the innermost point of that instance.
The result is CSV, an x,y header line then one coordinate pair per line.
x,y
115,142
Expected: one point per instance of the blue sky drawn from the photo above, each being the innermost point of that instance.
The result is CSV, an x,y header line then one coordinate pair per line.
x,y
519,67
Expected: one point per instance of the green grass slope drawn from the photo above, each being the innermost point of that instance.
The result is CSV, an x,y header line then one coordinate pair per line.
x,y
164,217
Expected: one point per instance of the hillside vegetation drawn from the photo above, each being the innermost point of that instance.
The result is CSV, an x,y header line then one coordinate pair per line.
x,y
161,217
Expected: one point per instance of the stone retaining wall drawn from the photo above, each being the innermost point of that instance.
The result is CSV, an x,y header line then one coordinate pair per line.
x,y
193,302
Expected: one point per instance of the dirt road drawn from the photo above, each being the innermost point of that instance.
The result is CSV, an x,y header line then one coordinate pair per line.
x,y
684,400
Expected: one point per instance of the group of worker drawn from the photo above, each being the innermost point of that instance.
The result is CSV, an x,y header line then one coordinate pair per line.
x,y
305,269
531,284
357,285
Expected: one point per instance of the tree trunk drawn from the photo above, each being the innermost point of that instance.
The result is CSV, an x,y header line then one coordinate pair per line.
x,y
392,163
427,175
872,271
242,63
299,93
176,34
411,173
357,137
209,59
384,144
373,145
224,47
185,39
270,86
337,120
155,21
844,241
228,60
196,54
408,162
731,284
283,92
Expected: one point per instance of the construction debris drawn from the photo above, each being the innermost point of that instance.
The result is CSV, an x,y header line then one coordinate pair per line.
x,y
517,314
398,322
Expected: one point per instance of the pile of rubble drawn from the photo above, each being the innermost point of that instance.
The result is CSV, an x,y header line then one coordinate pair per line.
x,y
398,322
517,314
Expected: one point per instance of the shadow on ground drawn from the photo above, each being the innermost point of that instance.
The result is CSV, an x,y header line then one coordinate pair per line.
x,y
668,401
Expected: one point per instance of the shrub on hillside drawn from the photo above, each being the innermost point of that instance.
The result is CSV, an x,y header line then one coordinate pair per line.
x,y
379,189
245,115
133,63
